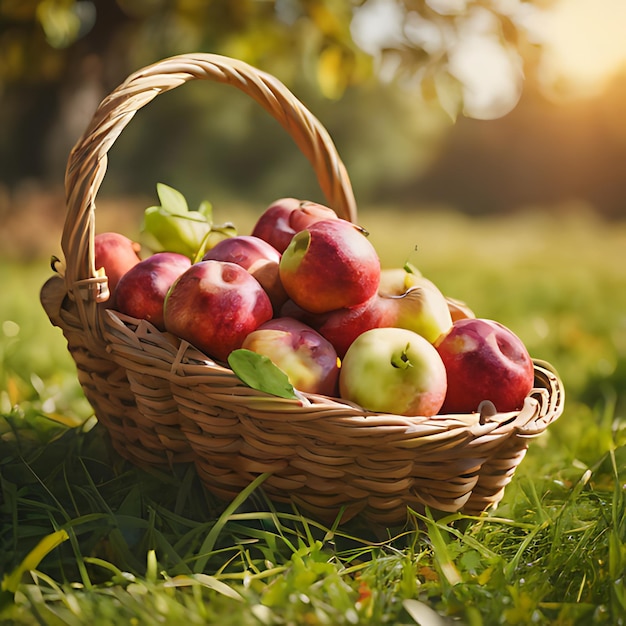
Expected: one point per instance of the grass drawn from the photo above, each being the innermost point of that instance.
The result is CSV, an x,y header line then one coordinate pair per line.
x,y
85,538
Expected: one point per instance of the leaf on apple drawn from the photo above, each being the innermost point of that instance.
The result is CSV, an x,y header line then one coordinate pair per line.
x,y
409,268
259,372
172,227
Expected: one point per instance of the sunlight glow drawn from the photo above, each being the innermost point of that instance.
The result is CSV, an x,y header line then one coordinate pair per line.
x,y
490,73
585,45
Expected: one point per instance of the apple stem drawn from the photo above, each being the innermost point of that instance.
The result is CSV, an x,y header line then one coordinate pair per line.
x,y
403,361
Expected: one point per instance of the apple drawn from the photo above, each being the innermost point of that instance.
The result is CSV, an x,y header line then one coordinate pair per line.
x,y
286,217
116,254
309,360
423,310
393,370
419,309
459,310
330,265
485,361
342,326
142,290
291,309
256,256
397,281
214,305
419,304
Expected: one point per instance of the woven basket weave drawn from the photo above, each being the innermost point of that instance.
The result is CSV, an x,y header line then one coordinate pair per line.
x,y
163,402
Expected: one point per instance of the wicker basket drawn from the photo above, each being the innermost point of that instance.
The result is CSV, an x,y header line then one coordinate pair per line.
x,y
164,402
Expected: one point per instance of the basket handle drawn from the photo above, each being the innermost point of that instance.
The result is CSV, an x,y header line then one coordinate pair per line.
x,y
88,160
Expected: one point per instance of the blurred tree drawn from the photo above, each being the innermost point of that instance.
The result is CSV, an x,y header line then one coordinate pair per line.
x,y
58,58
333,40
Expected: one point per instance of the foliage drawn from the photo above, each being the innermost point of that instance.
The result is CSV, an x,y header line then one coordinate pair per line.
x,y
40,34
94,540
59,58
173,227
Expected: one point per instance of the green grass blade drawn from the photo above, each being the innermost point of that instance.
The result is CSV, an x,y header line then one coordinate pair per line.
x,y
11,581
209,543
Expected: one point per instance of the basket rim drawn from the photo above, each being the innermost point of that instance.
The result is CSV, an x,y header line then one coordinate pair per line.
x,y
130,339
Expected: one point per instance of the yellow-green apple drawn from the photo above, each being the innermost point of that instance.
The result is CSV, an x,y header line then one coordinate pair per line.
x,y
485,360
256,256
423,310
309,360
116,254
419,304
329,265
141,291
214,305
393,370
286,217
396,281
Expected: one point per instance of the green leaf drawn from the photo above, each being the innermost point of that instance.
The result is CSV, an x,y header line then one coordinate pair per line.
x,y
258,372
206,209
182,233
214,235
173,227
422,613
171,199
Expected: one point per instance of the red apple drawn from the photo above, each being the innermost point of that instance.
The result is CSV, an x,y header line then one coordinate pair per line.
x,y
214,305
423,310
256,256
291,309
309,360
142,290
330,265
116,254
393,370
485,361
342,326
286,217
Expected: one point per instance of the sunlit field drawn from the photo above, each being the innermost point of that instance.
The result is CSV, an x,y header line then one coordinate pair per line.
x,y
85,538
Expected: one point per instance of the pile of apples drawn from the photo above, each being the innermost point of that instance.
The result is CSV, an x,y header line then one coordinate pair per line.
x,y
306,290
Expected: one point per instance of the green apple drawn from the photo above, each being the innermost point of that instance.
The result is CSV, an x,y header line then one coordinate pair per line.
x,y
393,370
419,304
396,280
423,310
